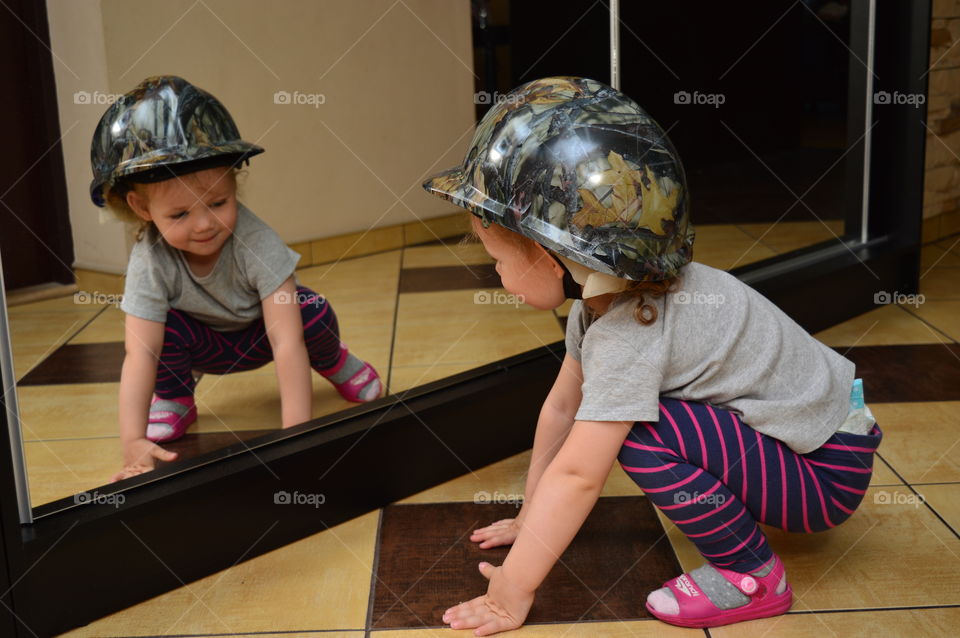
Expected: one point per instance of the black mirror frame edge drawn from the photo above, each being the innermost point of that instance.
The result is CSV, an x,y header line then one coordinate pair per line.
x,y
77,564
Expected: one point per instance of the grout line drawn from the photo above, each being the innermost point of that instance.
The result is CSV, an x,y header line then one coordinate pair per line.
x,y
394,324
910,487
930,325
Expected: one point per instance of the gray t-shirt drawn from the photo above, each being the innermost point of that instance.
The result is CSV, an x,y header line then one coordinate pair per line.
x,y
252,264
716,340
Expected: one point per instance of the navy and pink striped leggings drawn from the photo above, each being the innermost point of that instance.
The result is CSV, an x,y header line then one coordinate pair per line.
x,y
189,345
716,477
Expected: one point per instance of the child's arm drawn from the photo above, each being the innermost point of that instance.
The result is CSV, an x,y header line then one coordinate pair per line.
x,y
556,418
281,316
143,341
566,493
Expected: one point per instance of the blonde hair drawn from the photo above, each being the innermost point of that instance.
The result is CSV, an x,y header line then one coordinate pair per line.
x,y
115,196
637,291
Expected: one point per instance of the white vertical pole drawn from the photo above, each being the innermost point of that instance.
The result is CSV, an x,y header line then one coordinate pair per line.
x,y
615,44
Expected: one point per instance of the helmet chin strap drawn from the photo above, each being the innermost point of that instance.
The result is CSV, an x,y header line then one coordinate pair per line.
x,y
571,289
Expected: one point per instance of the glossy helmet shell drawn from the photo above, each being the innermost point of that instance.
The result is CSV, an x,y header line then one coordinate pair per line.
x,y
163,128
581,169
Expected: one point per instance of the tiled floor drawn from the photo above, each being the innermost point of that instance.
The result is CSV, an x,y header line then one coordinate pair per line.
x,y
893,569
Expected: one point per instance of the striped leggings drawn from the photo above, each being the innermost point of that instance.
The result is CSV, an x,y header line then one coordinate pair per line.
x,y
190,345
716,478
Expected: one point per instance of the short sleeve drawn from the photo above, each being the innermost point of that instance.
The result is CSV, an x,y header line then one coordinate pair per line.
x,y
621,377
267,261
145,293
574,332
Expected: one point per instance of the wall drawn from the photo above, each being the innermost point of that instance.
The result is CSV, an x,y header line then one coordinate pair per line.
x,y
395,77
941,201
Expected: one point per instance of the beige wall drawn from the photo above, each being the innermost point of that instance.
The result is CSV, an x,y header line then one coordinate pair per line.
x,y
941,197
396,81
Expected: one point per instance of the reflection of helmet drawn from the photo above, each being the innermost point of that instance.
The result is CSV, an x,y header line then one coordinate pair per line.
x,y
163,128
581,169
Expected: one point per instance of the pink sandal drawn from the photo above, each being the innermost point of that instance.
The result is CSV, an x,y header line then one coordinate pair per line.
x,y
352,388
696,610
170,418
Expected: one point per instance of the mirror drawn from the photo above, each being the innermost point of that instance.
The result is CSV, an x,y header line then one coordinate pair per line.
x,y
355,104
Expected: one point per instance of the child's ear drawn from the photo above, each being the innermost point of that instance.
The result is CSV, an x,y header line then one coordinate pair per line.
x,y
553,261
138,205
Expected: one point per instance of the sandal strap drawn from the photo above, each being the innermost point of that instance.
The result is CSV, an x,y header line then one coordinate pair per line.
x,y
166,405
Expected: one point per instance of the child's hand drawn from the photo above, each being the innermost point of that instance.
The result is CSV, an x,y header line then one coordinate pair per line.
x,y
504,607
138,457
496,534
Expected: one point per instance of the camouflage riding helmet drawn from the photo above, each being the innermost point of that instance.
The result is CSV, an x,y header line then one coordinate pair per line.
x,y
581,169
163,128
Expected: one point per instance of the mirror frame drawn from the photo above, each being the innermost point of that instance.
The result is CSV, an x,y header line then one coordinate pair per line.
x,y
78,563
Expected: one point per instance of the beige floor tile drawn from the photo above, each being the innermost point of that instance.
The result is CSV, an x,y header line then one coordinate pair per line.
x,y
63,303
920,440
77,410
945,499
895,623
727,247
26,356
451,254
319,582
882,474
634,629
940,283
887,325
58,469
48,329
108,326
913,558
943,315
784,237
404,378
448,327
564,309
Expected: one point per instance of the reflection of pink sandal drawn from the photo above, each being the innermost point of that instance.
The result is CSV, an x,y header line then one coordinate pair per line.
x,y
353,388
170,418
696,610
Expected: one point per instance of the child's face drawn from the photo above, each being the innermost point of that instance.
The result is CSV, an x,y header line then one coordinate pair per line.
x,y
195,213
537,276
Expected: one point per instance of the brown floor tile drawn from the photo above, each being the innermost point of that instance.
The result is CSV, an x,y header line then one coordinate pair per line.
x,y
920,440
438,278
924,372
428,563
318,583
892,552
894,623
79,363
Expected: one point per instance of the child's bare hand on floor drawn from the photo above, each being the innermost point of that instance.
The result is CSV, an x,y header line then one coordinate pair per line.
x,y
502,532
504,607
139,456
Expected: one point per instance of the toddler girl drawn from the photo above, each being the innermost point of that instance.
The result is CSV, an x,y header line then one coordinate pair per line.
x,y
210,287
723,410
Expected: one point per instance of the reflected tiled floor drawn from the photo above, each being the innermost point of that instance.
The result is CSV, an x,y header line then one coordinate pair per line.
x,y
893,569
